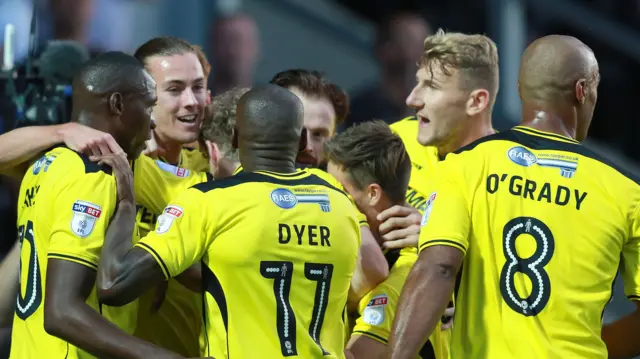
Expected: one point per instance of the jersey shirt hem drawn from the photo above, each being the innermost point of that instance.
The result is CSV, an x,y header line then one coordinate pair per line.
x,y
379,338
156,256
438,241
85,261
363,223
634,297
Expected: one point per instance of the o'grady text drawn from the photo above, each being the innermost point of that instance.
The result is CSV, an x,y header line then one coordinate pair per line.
x,y
529,189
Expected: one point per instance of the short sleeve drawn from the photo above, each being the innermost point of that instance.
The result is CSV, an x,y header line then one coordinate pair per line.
x,y
182,234
377,309
84,205
156,183
630,266
446,219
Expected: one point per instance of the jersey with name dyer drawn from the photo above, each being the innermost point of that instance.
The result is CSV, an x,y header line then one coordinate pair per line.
x,y
278,252
64,209
545,224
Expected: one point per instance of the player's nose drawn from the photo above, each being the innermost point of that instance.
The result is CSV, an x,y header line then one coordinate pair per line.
x,y
414,101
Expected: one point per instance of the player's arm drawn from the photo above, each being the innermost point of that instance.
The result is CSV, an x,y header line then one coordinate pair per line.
x,y
9,272
85,202
371,268
621,336
125,272
362,347
68,317
429,287
17,147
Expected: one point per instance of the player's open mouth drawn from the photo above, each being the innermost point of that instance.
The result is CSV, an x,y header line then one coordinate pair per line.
x,y
423,121
188,119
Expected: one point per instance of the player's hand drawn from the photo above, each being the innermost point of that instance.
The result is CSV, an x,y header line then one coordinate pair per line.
x,y
447,318
400,227
123,174
87,140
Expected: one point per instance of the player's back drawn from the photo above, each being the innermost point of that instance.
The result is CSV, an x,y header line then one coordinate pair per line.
x,y
279,266
57,221
549,221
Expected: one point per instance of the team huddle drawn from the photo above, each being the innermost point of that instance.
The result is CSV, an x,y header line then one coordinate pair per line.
x,y
257,232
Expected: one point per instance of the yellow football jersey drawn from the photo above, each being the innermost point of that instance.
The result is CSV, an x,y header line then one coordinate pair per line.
x,y
278,252
64,209
192,159
544,224
377,309
177,324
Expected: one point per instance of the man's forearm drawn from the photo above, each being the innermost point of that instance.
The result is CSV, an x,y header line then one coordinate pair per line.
x,y
371,267
9,272
85,328
24,143
117,243
424,298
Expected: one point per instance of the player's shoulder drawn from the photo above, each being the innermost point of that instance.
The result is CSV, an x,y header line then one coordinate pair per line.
x,y
527,146
309,177
148,165
406,124
67,162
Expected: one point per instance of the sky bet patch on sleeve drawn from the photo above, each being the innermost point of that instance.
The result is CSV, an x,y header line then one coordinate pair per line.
x,y
85,215
374,312
165,220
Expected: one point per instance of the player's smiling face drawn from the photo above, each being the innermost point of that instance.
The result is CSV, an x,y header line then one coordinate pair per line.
x,y
319,120
182,96
439,103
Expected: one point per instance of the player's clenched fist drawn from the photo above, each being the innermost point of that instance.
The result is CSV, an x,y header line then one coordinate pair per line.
x,y
400,227
123,173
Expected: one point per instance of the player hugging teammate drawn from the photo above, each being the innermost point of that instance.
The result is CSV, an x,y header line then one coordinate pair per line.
x,y
272,257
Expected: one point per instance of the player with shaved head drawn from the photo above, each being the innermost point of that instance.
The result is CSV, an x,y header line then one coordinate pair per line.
x,y
277,258
540,223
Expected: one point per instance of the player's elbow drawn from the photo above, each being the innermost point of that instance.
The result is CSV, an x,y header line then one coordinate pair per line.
x,y
57,319
108,295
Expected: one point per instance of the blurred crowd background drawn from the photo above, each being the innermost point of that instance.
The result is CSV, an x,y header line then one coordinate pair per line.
x,y
368,47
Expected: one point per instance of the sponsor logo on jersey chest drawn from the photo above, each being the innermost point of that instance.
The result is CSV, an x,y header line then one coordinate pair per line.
x,y
522,156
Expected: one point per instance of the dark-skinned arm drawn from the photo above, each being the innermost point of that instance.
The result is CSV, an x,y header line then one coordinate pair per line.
x,y
69,317
622,337
124,272
424,298
9,272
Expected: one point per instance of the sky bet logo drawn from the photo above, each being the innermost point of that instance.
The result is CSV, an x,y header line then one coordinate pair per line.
x,y
86,208
522,156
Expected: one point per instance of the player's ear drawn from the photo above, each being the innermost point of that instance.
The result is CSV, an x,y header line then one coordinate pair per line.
x,y
478,101
303,140
581,91
116,104
234,139
374,194
214,156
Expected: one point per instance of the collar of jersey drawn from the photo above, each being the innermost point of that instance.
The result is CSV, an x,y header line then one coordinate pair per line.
x,y
297,174
548,135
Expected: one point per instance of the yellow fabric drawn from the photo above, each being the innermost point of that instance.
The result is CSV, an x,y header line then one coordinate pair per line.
x,y
64,209
288,285
543,223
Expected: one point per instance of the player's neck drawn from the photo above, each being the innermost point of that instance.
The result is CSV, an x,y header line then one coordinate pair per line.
x,y
477,129
559,122
170,149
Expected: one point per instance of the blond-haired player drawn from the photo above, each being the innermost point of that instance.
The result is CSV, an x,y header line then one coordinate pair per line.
x,y
457,83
